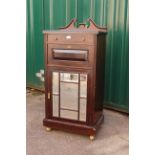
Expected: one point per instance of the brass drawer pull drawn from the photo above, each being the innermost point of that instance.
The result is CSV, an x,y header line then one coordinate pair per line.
x,y
69,46
83,39
48,95
68,37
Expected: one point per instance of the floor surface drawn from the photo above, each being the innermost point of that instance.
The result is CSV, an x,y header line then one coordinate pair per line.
x,y
112,138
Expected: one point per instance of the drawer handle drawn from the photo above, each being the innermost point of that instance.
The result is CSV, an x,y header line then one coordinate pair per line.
x,y
68,37
83,39
56,38
69,46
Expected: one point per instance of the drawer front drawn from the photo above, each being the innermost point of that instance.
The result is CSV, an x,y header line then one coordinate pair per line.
x,y
74,55
70,55
71,39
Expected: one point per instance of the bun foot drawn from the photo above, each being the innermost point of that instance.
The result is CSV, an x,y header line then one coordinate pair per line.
x,y
92,137
48,129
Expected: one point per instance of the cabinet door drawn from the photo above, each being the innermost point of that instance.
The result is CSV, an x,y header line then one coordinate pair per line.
x,y
69,95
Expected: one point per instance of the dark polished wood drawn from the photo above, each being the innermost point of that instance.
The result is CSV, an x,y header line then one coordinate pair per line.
x,y
73,55
81,51
89,57
73,127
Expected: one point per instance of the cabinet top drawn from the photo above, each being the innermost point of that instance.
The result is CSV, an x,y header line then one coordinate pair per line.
x,y
83,28
73,31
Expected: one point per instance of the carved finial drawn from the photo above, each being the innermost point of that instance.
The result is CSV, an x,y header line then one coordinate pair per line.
x,y
93,26
82,26
70,25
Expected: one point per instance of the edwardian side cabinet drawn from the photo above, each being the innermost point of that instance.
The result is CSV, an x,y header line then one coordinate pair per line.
x,y
74,78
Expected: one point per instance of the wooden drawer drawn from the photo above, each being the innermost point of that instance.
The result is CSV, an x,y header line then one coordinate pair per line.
x,y
70,54
74,55
71,39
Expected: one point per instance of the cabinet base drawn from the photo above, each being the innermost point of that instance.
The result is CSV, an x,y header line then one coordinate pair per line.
x,y
73,127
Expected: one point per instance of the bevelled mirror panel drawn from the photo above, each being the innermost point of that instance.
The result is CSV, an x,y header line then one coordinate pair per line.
x,y
69,95
55,83
83,107
69,114
83,85
55,100
69,77
72,95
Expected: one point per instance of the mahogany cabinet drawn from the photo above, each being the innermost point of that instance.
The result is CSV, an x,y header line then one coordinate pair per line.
x,y
74,78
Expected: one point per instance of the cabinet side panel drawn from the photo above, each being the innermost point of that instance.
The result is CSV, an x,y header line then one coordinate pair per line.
x,y
100,75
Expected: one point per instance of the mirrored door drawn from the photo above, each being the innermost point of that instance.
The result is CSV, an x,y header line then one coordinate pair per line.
x,y
69,95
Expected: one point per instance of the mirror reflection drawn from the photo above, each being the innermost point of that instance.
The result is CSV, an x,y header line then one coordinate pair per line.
x,y
69,114
55,82
55,105
69,77
83,85
83,104
72,97
69,94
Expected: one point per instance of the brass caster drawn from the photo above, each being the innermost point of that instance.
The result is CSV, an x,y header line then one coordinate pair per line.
x,y
91,137
48,129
